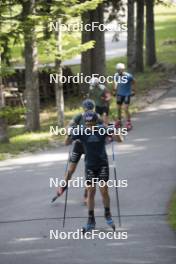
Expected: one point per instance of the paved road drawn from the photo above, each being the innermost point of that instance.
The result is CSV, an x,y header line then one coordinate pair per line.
x,y
146,159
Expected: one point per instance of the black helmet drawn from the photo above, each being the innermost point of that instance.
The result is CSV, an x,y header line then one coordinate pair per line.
x,y
88,104
90,116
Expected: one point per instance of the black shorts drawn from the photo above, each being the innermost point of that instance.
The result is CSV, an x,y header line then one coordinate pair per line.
x,y
77,151
123,99
102,110
100,174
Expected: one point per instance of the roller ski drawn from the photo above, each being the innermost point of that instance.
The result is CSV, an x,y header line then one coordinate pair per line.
x,y
118,124
89,226
110,222
129,125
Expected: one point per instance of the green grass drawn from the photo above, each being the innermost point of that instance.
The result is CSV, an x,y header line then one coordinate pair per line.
x,y
22,141
165,21
172,212
25,141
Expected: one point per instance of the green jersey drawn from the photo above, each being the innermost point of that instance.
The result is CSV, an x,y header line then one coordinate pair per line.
x,y
96,94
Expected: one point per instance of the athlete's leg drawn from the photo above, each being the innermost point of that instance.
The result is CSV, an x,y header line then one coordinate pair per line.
x,y
106,115
119,111
91,197
75,156
105,118
105,196
91,190
90,204
127,112
85,196
126,107
106,203
103,175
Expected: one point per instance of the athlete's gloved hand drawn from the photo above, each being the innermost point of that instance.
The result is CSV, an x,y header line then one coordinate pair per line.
x,y
61,190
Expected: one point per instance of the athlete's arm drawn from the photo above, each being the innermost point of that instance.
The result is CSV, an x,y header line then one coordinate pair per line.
x,y
113,135
68,140
72,124
107,95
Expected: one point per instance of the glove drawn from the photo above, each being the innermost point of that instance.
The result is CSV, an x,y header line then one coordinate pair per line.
x,y
61,190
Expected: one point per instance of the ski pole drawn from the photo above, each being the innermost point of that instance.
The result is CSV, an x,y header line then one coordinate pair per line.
x,y
66,193
116,188
66,168
65,207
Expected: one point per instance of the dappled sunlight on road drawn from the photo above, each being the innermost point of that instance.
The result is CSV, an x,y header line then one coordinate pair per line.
x,y
130,148
31,251
37,158
168,103
24,239
141,139
132,261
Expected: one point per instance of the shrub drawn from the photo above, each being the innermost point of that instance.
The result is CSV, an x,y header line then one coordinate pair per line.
x,y
13,115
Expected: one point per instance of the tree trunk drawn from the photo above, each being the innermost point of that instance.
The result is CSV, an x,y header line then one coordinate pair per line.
x,y
150,34
31,69
140,36
86,55
98,62
3,125
130,37
59,85
93,61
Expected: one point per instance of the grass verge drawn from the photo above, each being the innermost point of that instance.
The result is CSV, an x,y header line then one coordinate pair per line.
x,y
172,211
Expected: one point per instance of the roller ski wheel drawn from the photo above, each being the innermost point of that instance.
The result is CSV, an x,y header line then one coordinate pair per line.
x,y
129,125
110,223
88,227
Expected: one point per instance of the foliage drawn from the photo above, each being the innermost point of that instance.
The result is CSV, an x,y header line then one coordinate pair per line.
x,y
13,115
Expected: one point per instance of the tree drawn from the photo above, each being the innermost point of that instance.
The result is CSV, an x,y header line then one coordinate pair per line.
x,y
150,33
33,13
130,37
140,36
31,67
93,60
3,125
21,18
59,85
61,13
